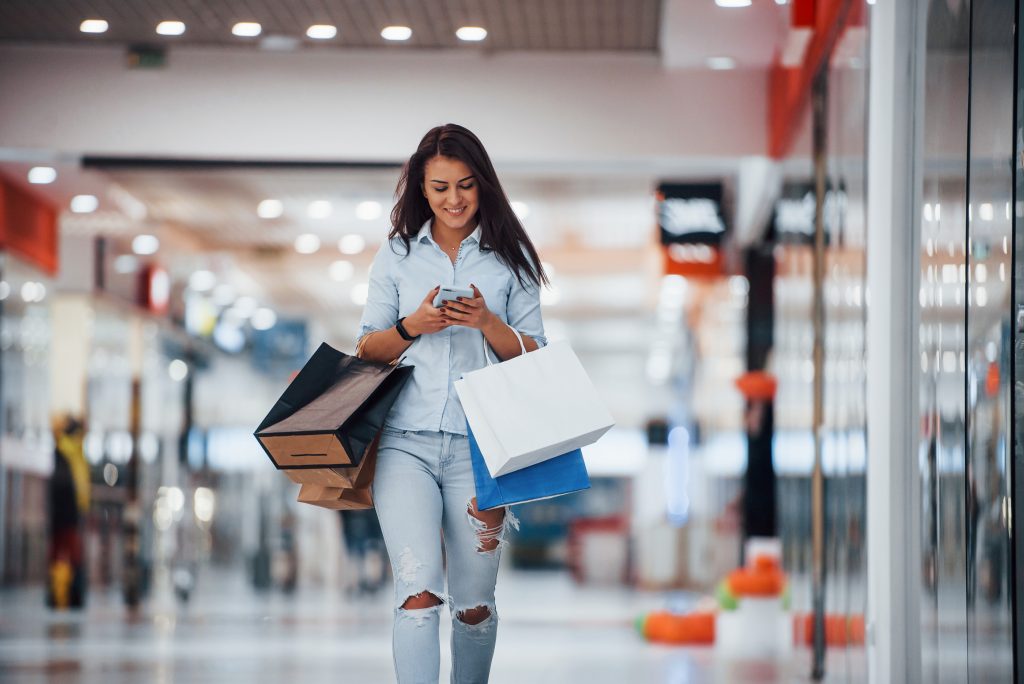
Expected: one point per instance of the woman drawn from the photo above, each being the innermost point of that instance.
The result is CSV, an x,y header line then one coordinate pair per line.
x,y
452,225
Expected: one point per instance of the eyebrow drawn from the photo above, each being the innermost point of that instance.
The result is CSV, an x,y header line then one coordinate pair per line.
x,y
438,180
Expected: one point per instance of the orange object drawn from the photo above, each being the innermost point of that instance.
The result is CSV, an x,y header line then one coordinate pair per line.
x,y
840,630
669,628
757,385
762,577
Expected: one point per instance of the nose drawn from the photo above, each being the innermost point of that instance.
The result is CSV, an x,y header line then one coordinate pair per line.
x,y
454,196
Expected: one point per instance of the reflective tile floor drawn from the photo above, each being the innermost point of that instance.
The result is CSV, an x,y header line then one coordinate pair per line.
x,y
551,631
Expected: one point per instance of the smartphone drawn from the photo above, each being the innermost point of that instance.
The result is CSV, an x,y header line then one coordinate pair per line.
x,y
451,293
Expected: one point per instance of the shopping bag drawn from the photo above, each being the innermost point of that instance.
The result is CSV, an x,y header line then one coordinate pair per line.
x,y
532,407
331,412
336,498
562,474
360,476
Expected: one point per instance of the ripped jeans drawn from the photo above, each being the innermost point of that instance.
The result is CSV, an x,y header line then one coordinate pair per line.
x,y
423,487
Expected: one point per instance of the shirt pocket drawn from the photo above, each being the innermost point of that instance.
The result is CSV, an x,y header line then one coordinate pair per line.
x,y
495,289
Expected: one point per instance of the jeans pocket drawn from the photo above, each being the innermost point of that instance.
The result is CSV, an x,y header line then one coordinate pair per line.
x,y
393,432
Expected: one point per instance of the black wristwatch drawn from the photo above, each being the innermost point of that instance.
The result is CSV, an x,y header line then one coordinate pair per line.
x,y
403,332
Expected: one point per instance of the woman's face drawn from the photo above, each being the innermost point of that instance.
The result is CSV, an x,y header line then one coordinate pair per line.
x,y
451,190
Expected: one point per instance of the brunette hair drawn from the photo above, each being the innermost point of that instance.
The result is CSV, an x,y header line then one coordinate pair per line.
x,y
500,229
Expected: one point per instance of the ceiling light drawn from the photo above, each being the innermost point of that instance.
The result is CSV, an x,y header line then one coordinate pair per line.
x,y
263,319
396,33
368,211
340,271
178,370
733,3
201,281
244,307
471,33
270,209
145,244
247,29
319,209
170,28
94,26
42,175
521,209
321,31
721,63
352,244
781,2
307,243
84,204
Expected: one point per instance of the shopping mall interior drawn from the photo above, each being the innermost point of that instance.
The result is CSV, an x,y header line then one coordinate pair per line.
x,y
780,240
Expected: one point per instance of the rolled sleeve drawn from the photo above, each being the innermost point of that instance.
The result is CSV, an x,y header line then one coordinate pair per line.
x,y
381,310
524,310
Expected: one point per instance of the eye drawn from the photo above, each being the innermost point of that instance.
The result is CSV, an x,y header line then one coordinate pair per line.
x,y
468,186
440,189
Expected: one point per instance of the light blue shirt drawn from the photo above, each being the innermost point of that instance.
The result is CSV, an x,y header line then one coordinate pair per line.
x,y
399,283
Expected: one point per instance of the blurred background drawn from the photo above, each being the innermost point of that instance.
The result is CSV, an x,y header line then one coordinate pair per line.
x,y
190,198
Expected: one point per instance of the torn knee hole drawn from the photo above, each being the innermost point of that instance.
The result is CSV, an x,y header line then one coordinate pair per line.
x,y
474,616
424,599
489,526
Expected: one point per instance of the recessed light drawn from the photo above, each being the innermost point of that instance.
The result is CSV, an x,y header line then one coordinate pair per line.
x,y
396,33
170,28
247,29
721,63
94,26
471,33
368,211
341,270
145,244
42,175
84,204
733,3
352,244
270,209
263,319
320,209
322,31
307,243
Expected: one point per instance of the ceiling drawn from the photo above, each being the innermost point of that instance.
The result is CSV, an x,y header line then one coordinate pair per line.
x,y
560,25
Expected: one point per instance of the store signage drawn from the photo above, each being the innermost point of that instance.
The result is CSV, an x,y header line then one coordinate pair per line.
x,y
690,213
794,213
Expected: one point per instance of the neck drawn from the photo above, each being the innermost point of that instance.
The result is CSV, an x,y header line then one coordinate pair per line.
x,y
447,236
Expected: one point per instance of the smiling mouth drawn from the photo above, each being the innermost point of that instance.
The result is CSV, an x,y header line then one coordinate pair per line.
x,y
456,212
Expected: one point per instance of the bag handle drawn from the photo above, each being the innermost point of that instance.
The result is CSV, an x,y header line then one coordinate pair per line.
x,y
487,356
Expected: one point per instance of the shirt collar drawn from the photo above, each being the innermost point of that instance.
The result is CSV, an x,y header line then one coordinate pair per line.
x,y
424,232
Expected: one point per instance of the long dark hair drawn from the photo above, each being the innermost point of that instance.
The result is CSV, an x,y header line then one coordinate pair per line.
x,y
500,229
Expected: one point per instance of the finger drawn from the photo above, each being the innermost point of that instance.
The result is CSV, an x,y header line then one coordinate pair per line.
x,y
460,309
430,295
476,293
456,315
474,303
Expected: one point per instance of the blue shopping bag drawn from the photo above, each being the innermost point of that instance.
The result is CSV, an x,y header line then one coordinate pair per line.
x,y
556,476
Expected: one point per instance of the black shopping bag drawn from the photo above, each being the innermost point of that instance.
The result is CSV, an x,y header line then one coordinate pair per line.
x,y
331,412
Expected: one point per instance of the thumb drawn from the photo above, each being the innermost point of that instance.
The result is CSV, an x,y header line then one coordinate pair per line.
x,y
433,293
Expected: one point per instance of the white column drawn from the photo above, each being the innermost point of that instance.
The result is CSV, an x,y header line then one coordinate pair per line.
x,y
893,485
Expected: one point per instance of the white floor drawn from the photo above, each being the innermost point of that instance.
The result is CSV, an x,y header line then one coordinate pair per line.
x,y
551,631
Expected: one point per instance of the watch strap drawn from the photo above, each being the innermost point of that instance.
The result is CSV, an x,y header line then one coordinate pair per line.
x,y
403,332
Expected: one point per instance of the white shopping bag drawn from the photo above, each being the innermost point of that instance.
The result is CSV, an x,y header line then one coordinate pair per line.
x,y
532,407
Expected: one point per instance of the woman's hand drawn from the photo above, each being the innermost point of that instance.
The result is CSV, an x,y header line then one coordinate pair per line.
x,y
427,319
472,313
